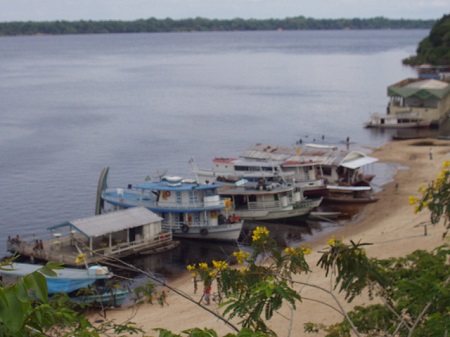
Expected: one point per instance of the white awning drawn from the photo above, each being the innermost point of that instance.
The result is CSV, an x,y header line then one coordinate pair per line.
x,y
354,164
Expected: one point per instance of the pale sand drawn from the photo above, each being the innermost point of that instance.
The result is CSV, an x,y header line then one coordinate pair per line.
x,y
389,224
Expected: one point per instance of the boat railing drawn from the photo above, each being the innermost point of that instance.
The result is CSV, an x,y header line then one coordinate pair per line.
x,y
134,198
253,205
180,224
67,249
122,248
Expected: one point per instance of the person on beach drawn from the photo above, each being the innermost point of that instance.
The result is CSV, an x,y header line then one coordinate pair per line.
x,y
207,294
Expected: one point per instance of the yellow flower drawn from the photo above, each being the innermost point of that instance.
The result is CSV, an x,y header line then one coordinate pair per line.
x,y
446,165
80,258
423,189
306,250
412,200
291,251
260,234
203,265
212,273
241,256
332,241
190,267
220,265
441,177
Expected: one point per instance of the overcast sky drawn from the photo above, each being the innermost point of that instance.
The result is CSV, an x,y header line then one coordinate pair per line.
x,y
49,10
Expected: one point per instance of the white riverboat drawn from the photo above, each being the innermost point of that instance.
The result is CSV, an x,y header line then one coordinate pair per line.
x,y
269,201
189,210
405,120
311,167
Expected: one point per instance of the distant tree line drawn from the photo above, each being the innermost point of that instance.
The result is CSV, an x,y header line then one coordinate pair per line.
x,y
435,48
153,25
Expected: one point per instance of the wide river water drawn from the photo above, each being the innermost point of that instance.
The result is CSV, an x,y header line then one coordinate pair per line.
x,y
146,103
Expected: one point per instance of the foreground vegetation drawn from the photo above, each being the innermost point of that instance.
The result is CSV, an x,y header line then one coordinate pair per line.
x,y
153,25
413,292
435,48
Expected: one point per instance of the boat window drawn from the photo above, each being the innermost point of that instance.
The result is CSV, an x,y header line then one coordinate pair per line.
x,y
326,170
241,168
196,218
193,197
178,197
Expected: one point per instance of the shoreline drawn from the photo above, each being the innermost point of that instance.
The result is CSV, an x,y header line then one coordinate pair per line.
x,y
389,224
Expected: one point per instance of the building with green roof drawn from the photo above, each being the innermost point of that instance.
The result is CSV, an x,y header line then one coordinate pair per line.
x,y
428,98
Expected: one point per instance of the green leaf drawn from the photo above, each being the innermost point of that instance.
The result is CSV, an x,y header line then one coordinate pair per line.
x,y
37,283
12,311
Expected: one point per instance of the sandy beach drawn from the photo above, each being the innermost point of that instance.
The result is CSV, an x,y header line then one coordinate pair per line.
x,y
389,224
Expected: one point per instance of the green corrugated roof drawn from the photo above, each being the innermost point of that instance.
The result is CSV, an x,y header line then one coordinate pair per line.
x,y
422,89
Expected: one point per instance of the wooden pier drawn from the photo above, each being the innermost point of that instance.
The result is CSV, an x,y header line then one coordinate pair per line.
x,y
74,252
98,239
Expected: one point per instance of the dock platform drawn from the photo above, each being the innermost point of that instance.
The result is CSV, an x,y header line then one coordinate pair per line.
x,y
74,252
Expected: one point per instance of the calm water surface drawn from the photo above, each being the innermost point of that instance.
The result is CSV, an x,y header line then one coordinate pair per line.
x,y
146,103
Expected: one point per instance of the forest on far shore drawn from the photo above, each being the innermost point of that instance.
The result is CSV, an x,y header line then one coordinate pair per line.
x,y
435,48
153,25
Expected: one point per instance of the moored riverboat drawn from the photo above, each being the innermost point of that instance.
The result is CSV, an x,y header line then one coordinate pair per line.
x,y
269,201
399,121
188,209
87,286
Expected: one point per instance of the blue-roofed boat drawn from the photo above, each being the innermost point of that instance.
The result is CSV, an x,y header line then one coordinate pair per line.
x,y
189,210
71,281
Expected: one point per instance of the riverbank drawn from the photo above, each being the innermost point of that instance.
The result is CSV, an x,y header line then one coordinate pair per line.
x,y
389,224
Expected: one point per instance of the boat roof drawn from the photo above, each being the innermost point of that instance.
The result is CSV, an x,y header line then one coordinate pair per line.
x,y
242,161
309,155
103,224
183,185
349,188
22,269
356,162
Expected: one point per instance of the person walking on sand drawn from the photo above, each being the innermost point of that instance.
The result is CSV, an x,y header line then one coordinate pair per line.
x,y
431,153
207,294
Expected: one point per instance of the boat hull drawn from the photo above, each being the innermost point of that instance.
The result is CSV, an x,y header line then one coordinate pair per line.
x,y
418,125
224,232
296,210
113,298
350,195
